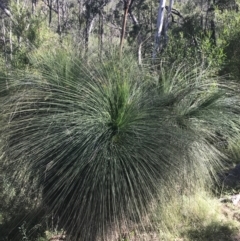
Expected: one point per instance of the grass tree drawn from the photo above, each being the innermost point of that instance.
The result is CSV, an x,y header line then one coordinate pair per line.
x,y
205,106
105,139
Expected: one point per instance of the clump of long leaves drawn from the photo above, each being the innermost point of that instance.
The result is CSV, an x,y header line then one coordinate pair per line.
x,y
206,106
104,140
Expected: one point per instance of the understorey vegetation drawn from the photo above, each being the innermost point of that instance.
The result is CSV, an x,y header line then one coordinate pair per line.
x,y
108,136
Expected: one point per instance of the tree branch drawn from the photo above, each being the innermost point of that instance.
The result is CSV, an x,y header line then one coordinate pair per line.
x,y
8,13
54,9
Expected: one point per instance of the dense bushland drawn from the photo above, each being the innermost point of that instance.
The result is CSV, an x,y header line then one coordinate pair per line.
x,y
100,145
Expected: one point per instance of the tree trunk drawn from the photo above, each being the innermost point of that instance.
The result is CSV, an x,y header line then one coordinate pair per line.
x,y
160,21
59,28
100,34
134,19
4,39
167,22
80,7
88,23
126,8
34,2
7,12
202,24
50,12
10,40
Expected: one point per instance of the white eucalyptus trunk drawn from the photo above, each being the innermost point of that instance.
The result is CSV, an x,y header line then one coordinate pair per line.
x,y
160,21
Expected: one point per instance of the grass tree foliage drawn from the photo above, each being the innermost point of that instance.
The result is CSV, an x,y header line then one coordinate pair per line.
x,y
108,141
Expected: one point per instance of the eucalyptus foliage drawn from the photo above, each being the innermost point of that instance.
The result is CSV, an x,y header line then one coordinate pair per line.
x,y
105,139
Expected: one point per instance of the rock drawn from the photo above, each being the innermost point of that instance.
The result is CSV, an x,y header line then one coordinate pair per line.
x,y
232,178
235,199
